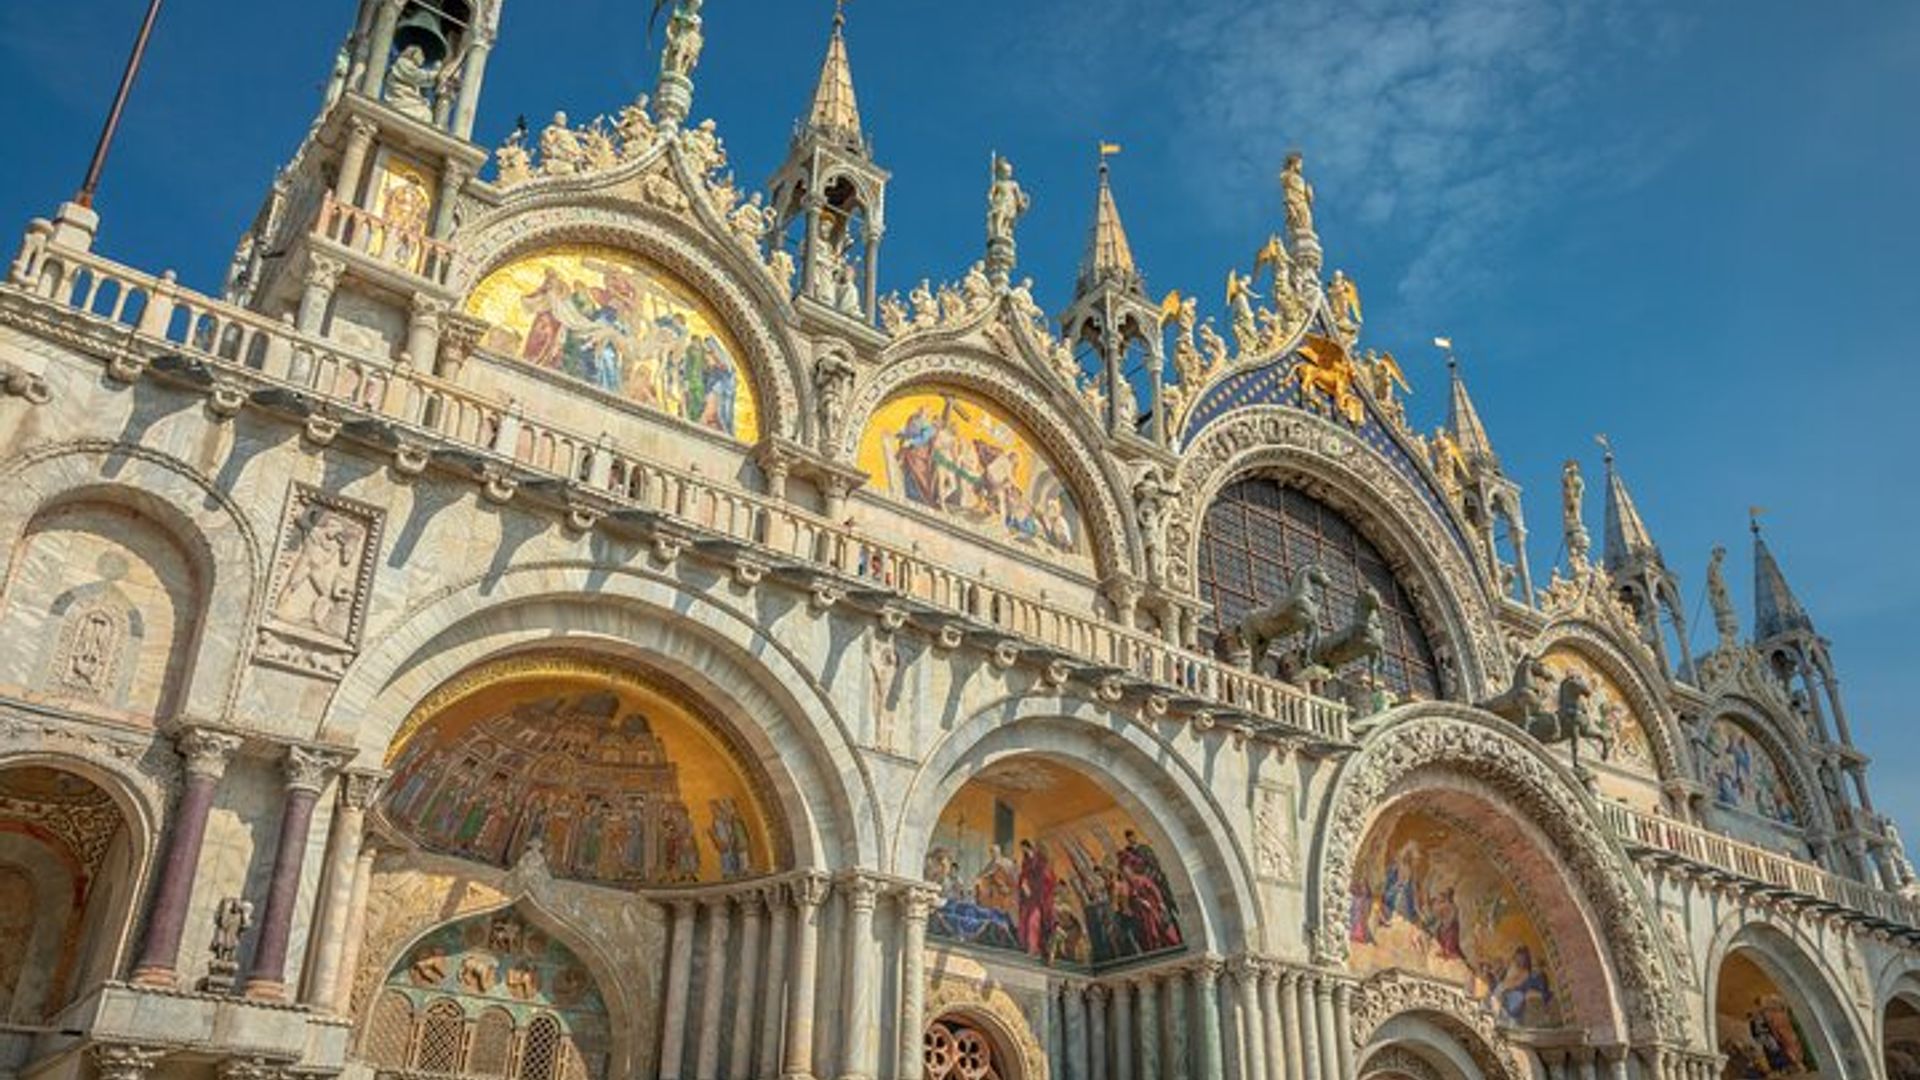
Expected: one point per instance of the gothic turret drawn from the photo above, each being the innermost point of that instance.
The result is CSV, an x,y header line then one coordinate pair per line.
x,y
1488,497
1111,318
830,197
1641,577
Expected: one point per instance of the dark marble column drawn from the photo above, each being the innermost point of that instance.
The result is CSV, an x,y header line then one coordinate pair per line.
x,y
206,753
308,772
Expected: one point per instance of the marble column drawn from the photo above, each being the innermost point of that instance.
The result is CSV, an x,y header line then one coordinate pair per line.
x,y
1253,1031
1616,1063
773,990
740,1054
307,774
1343,1028
373,82
353,160
467,104
1324,1024
1123,1052
915,905
863,1022
322,277
1150,1059
355,794
673,1017
1206,990
1075,1002
1179,1045
1309,1053
1097,1032
808,893
1270,1024
713,989
429,315
205,755
356,931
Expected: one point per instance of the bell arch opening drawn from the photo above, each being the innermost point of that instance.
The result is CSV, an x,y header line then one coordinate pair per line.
x,y
1036,860
69,860
1900,1037
612,774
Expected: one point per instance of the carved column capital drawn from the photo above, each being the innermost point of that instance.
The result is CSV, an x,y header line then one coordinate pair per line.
x,y
1098,992
1207,969
861,891
123,1062
323,272
207,752
429,310
359,788
254,1068
361,130
309,769
809,890
917,902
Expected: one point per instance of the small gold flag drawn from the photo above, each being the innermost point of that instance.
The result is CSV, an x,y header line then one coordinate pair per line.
x,y
1108,149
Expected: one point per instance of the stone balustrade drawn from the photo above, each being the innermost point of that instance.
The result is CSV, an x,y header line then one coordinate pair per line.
x,y
1660,838
240,356
367,233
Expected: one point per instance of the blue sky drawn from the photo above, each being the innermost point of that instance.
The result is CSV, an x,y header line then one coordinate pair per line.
x,y
1687,225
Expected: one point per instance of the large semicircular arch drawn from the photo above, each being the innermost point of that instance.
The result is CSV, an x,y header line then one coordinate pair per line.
x,y
765,692
1443,738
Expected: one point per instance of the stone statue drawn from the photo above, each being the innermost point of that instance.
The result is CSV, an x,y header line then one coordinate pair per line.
x,y
976,288
411,84
1240,298
515,164
597,148
1343,297
635,129
893,314
684,41
846,291
1007,203
1212,346
560,152
1573,490
706,154
750,222
230,920
318,592
926,311
1725,618
1299,197
833,382
1153,504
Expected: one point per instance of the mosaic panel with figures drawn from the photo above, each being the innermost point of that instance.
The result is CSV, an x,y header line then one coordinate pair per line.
x,y
612,779
1428,898
1033,858
1743,775
1758,1028
962,458
624,326
1627,749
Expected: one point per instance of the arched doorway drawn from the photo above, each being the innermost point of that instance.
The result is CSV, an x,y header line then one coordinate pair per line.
x,y
492,996
1035,859
67,869
1900,1038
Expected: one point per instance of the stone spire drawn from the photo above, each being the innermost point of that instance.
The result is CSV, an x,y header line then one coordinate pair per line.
x,y
1109,258
1628,542
1776,611
1469,434
836,111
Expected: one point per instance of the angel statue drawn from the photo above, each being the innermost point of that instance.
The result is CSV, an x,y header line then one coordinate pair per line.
x,y
1343,297
1386,378
411,83
1240,298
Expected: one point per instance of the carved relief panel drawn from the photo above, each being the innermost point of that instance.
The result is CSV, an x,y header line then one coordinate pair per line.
x,y
322,578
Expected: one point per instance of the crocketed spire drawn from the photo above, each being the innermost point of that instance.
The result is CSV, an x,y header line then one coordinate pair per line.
x,y
1628,541
1469,434
836,112
1109,258
1776,611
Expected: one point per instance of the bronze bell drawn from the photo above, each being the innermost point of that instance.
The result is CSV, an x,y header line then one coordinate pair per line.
x,y
425,28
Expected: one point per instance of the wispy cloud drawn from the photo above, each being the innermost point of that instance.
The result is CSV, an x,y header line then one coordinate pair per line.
x,y
1449,122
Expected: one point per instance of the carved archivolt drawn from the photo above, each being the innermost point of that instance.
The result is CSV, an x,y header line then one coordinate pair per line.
x,y
1396,993
680,242
996,378
992,1008
1336,467
1469,744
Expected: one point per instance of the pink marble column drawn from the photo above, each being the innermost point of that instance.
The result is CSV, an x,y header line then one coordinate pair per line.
x,y
307,772
206,753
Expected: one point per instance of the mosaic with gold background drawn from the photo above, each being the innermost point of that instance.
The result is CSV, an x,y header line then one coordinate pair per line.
x,y
624,326
610,777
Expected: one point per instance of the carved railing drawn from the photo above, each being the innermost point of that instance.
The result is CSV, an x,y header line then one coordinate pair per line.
x,y
239,353
1660,836
408,249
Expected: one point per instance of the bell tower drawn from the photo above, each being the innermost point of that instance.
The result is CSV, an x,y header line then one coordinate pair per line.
x,y
830,198
1488,496
353,241
1112,318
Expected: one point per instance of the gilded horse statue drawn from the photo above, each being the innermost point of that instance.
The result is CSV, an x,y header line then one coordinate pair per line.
x,y
1325,369
1570,719
1297,611
1363,638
